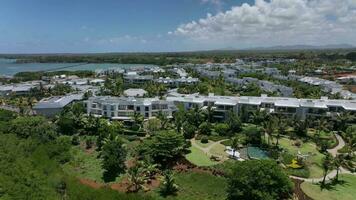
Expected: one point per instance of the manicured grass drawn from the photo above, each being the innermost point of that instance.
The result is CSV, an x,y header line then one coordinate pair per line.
x,y
193,186
343,191
218,150
314,161
198,157
198,142
84,165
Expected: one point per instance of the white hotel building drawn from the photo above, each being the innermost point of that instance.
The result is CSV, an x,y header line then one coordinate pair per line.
x,y
122,108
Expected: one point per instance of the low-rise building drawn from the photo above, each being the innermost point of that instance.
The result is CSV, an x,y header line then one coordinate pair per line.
x,y
123,108
133,92
52,106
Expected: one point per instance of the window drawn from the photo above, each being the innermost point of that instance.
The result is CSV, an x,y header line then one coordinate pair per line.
x,y
93,105
138,108
146,115
147,108
122,107
112,107
112,114
104,107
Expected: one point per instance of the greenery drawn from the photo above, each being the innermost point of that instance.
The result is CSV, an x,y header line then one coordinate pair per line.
x,y
258,179
114,155
345,190
84,165
314,157
198,157
163,147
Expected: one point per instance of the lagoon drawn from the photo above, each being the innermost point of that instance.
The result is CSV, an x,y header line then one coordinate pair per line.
x,y
9,67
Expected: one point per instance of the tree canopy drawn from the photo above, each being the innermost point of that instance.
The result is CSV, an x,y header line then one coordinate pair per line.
x,y
258,180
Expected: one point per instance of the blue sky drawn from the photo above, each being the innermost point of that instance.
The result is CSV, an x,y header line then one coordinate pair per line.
x,y
49,26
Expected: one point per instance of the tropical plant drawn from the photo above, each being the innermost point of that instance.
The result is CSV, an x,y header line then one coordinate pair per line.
x,y
113,154
327,165
136,179
168,186
234,145
269,127
338,161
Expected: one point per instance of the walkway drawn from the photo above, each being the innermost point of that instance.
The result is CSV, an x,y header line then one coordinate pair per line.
x,y
207,149
334,151
332,174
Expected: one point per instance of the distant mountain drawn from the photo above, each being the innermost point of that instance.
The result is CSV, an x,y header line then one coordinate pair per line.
x,y
302,47
292,47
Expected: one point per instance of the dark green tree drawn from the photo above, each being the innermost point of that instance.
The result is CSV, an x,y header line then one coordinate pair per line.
x,y
114,155
258,180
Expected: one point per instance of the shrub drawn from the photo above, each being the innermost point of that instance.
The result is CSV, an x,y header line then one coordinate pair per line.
x,y
89,142
75,140
222,129
204,140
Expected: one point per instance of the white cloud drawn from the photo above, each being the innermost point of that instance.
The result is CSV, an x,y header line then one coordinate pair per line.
x,y
218,4
276,22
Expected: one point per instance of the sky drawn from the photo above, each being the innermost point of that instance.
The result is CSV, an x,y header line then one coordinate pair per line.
x,y
89,26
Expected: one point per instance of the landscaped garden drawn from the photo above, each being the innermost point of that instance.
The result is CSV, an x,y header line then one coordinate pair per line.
x,y
199,158
311,156
344,190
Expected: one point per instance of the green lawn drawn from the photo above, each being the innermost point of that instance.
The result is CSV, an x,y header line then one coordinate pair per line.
x,y
202,144
218,150
198,186
314,161
198,157
84,165
344,191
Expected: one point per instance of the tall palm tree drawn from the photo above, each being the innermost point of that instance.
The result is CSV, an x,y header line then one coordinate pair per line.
x,y
208,112
269,128
322,125
301,128
281,130
138,119
338,161
234,145
342,120
327,164
163,118
259,116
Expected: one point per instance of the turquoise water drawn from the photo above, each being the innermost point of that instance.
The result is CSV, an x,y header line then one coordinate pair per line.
x,y
256,153
10,67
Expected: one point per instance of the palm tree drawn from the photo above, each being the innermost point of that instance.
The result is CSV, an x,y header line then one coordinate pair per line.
x,y
269,128
327,163
163,118
322,125
342,120
234,145
338,161
208,112
137,119
179,117
301,128
282,125
259,116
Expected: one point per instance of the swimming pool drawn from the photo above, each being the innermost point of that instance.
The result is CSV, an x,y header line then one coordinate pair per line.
x,y
256,153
